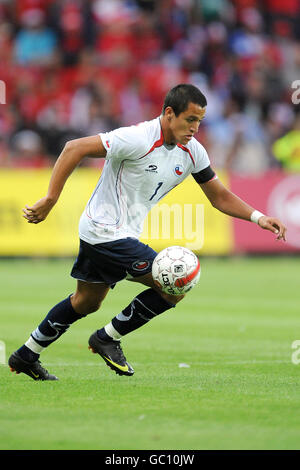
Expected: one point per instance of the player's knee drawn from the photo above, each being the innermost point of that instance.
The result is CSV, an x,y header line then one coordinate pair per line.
x,y
85,305
92,306
172,299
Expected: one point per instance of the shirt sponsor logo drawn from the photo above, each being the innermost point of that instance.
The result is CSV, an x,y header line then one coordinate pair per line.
x,y
152,168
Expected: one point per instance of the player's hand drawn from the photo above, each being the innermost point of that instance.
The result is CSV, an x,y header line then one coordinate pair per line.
x,y
39,211
274,225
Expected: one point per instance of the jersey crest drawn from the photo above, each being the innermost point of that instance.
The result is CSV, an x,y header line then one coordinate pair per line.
x,y
178,170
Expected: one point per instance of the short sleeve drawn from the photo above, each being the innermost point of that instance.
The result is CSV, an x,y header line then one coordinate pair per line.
x,y
200,156
125,143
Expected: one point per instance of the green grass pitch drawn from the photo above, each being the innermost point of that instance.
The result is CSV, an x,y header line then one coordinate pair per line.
x,y
234,330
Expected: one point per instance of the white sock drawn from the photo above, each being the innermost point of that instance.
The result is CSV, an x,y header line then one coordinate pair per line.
x,y
34,346
110,331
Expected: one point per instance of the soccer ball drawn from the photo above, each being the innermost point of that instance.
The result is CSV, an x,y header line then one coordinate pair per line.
x,y
176,270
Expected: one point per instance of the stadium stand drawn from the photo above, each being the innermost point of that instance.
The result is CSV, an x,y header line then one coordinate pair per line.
x,y
75,68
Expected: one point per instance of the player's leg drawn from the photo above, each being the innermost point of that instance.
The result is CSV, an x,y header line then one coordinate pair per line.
x,y
85,300
145,306
88,297
147,280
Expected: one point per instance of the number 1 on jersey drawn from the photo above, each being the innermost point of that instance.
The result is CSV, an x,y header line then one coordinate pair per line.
x,y
157,188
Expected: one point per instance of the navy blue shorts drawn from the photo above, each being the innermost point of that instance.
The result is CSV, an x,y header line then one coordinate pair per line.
x,y
111,262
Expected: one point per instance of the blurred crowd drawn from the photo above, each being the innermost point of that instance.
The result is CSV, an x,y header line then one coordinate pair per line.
x,y
73,68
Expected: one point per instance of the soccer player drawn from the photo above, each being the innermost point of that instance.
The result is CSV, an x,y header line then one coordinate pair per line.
x,y
140,169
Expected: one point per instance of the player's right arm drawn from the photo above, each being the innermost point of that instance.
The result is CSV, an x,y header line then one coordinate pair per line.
x,y
72,154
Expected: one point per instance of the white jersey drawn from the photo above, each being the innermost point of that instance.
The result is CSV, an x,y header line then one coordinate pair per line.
x,y
140,169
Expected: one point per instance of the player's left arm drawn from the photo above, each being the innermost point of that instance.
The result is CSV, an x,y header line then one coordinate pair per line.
x,y
228,203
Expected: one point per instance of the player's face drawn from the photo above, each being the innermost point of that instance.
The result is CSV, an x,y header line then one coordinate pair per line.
x,y
184,126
